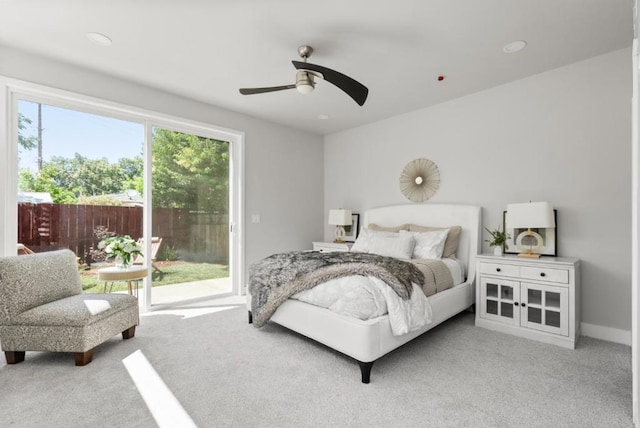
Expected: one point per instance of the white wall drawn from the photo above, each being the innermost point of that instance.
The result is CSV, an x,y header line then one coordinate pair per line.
x,y
563,136
283,166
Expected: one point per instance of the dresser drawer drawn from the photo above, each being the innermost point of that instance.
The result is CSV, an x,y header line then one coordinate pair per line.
x,y
545,274
327,247
499,269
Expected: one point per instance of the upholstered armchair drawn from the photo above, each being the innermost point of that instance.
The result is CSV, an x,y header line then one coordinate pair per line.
x,y
42,308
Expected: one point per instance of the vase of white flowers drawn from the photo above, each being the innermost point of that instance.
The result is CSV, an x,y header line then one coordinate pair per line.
x,y
121,248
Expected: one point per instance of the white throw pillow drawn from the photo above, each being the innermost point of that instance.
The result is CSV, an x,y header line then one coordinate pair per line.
x,y
428,245
400,247
363,242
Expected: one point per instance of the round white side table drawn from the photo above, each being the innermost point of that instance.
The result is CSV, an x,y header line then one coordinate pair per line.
x,y
130,274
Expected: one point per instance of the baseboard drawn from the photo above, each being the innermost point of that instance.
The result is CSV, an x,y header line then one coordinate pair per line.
x,y
609,334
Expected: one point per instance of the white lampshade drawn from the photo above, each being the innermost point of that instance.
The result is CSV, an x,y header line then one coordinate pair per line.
x,y
530,215
340,217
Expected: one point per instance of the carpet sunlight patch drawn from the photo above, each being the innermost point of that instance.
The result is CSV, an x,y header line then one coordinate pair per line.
x,y
162,404
187,312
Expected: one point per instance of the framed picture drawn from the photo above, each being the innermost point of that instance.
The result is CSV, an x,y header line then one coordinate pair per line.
x,y
542,241
351,232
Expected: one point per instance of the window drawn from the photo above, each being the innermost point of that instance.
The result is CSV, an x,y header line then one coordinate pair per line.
x,y
94,179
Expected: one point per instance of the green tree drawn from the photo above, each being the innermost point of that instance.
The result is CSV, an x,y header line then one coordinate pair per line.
x,y
24,141
26,180
190,172
68,179
132,169
42,183
98,200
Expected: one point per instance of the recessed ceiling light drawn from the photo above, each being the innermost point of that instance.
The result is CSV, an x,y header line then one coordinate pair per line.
x,y
323,116
99,39
514,47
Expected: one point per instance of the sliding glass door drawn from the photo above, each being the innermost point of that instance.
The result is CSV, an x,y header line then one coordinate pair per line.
x,y
83,171
190,194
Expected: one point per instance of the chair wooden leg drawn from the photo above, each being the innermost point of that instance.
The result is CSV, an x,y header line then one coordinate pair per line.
x,y
83,358
14,357
129,333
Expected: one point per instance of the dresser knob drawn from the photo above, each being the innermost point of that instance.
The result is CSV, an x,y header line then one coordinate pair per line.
x,y
515,303
543,274
522,304
497,269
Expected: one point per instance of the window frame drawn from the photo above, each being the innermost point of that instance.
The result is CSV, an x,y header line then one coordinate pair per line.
x,y
14,90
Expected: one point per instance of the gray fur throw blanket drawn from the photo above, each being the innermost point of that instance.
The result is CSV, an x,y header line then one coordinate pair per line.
x,y
276,278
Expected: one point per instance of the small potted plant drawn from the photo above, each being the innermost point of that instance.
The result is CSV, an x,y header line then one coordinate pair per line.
x,y
120,247
498,240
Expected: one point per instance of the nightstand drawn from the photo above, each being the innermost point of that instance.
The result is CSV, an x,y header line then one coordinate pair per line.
x,y
326,247
534,298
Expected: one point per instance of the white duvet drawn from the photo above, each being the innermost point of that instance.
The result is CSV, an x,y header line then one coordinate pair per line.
x,y
365,298
368,297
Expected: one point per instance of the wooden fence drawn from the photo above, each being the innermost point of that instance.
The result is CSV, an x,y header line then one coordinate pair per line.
x,y
195,236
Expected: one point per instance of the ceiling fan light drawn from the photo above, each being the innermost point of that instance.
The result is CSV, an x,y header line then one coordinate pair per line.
x,y
304,88
304,82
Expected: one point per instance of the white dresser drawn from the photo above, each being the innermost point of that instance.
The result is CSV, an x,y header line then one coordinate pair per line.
x,y
534,298
326,247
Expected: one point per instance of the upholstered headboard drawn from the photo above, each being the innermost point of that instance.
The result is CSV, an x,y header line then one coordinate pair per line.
x,y
437,215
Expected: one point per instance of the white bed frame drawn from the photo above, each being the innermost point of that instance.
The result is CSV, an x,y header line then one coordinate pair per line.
x,y
366,341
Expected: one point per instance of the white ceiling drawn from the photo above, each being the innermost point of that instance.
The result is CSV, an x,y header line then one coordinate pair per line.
x,y
207,49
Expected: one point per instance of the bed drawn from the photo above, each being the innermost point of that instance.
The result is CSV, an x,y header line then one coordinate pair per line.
x,y
367,340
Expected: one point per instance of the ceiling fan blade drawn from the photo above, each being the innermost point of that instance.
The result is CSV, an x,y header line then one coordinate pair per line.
x,y
351,87
251,91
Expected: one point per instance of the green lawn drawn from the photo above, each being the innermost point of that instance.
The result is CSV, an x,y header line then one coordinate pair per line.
x,y
170,273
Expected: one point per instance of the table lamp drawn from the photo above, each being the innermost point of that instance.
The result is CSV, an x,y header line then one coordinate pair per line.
x,y
526,216
340,218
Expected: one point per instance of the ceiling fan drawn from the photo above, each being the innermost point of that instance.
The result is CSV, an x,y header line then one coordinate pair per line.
x,y
305,79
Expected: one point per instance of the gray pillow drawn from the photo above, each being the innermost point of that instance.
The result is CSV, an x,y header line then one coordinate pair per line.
x,y
394,229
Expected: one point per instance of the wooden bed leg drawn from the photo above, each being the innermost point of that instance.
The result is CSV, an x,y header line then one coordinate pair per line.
x,y
250,318
14,357
129,333
365,369
83,358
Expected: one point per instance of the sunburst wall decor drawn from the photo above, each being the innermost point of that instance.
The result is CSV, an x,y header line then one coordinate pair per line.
x,y
420,180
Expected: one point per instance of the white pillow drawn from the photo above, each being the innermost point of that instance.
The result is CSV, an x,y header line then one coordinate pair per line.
x,y
400,247
428,245
363,242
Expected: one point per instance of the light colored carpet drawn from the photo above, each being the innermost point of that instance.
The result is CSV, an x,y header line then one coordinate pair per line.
x,y
225,372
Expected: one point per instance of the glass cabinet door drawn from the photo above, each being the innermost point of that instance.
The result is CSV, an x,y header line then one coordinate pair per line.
x,y
544,308
500,300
